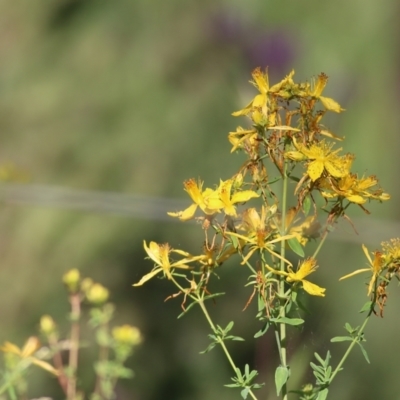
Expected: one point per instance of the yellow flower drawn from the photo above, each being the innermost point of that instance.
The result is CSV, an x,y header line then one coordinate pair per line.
x,y
327,102
259,236
260,81
214,256
286,87
159,253
27,353
322,158
306,268
375,266
228,199
207,200
355,190
239,138
392,251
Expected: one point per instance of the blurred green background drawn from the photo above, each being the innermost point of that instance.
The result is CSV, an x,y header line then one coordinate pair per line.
x,y
131,98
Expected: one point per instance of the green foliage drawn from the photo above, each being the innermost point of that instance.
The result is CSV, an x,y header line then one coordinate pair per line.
x,y
114,347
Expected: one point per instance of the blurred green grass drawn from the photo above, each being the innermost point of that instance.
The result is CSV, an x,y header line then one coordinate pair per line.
x,y
134,97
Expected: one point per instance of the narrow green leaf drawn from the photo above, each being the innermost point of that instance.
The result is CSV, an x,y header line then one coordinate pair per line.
x,y
341,339
244,393
366,307
364,353
327,359
323,394
252,375
296,246
262,331
320,377
319,358
235,241
288,321
306,205
229,327
274,180
281,377
239,374
237,338
209,348
316,367
328,372
211,296
349,328
186,310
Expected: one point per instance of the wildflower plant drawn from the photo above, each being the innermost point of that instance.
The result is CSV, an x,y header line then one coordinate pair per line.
x,y
292,188
115,345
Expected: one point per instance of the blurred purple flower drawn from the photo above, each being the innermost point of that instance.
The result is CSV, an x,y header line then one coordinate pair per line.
x,y
274,49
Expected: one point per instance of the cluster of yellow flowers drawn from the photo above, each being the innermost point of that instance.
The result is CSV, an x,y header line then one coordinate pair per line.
x,y
383,267
285,132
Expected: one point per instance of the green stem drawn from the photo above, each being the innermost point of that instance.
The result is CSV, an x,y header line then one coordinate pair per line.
x,y
350,348
281,339
74,349
220,341
322,241
320,244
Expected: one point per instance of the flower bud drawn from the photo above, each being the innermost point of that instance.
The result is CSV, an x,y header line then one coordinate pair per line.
x,y
127,334
47,325
97,294
71,280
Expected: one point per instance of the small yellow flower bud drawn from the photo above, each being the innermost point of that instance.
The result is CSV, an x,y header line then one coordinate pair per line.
x,y
71,280
238,181
97,294
127,334
47,325
295,155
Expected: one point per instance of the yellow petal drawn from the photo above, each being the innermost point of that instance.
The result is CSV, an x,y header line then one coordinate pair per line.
x,y
320,85
315,169
284,128
186,214
261,80
355,198
259,101
330,134
243,111
331,104
10,348
30,346
153,251
45,365
243,196
295,155
384,196
147,277
313,289
365,250
337,168
358,271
